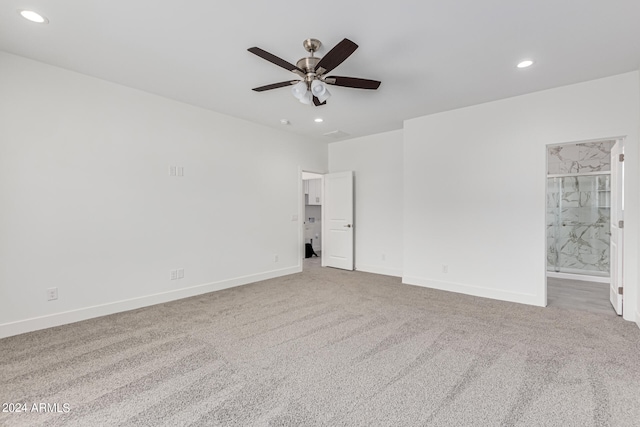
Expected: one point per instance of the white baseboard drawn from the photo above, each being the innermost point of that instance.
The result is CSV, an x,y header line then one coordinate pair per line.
x,y
57,319
386,271
477,291
638,318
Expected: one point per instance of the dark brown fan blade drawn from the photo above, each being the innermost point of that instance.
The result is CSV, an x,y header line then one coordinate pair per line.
x,y
352,82
317,102
336,56
275,85
275,60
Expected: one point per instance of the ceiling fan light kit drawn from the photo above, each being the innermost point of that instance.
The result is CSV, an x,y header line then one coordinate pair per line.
x,y
299,89
306,98
311,71
317,87
323,98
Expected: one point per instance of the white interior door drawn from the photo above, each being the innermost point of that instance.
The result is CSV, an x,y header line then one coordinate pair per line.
x,y
338,221
617,226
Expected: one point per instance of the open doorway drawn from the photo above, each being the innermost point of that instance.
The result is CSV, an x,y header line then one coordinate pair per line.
x,y
312,210
583,211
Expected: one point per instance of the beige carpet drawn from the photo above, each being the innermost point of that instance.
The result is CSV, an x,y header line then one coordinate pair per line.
x,y
332,348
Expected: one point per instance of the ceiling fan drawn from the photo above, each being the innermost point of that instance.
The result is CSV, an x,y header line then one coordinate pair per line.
x,y
312,70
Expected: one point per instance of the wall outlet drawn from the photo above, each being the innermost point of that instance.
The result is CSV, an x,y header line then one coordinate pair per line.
x,y
52,294
173,274
275,258
445,268
181,273
180,171
172,171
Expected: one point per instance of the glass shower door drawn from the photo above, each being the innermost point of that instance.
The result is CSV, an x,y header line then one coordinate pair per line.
x,y
578,221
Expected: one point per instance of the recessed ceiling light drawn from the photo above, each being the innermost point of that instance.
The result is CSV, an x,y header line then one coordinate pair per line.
x,y
318,120
33,16
526,63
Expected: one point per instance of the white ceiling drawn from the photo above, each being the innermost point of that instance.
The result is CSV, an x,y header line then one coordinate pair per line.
x,y
431,56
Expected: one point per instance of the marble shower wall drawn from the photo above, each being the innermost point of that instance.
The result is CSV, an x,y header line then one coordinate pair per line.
x,y
578,209
579,158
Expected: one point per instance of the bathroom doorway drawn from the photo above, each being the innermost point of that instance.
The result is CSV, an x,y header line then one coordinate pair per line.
x,y
583,211
312,211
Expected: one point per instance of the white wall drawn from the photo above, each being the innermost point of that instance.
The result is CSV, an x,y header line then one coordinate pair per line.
x,y
474,194
377,162
88,206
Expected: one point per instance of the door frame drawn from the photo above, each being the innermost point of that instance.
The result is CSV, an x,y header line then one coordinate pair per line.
x,y
619,139
301,214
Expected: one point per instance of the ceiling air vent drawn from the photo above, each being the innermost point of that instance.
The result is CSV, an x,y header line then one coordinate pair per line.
x,y
336,134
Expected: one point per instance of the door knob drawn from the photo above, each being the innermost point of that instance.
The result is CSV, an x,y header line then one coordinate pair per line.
x,y
348,225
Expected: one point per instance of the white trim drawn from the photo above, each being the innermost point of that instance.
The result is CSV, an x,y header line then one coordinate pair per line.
x,y
311,175
385,271
477,291
543,286
638,318
322,205
57,319
301,215
583,277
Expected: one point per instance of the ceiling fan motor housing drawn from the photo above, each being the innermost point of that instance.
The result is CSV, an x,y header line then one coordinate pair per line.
x,y
308,64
